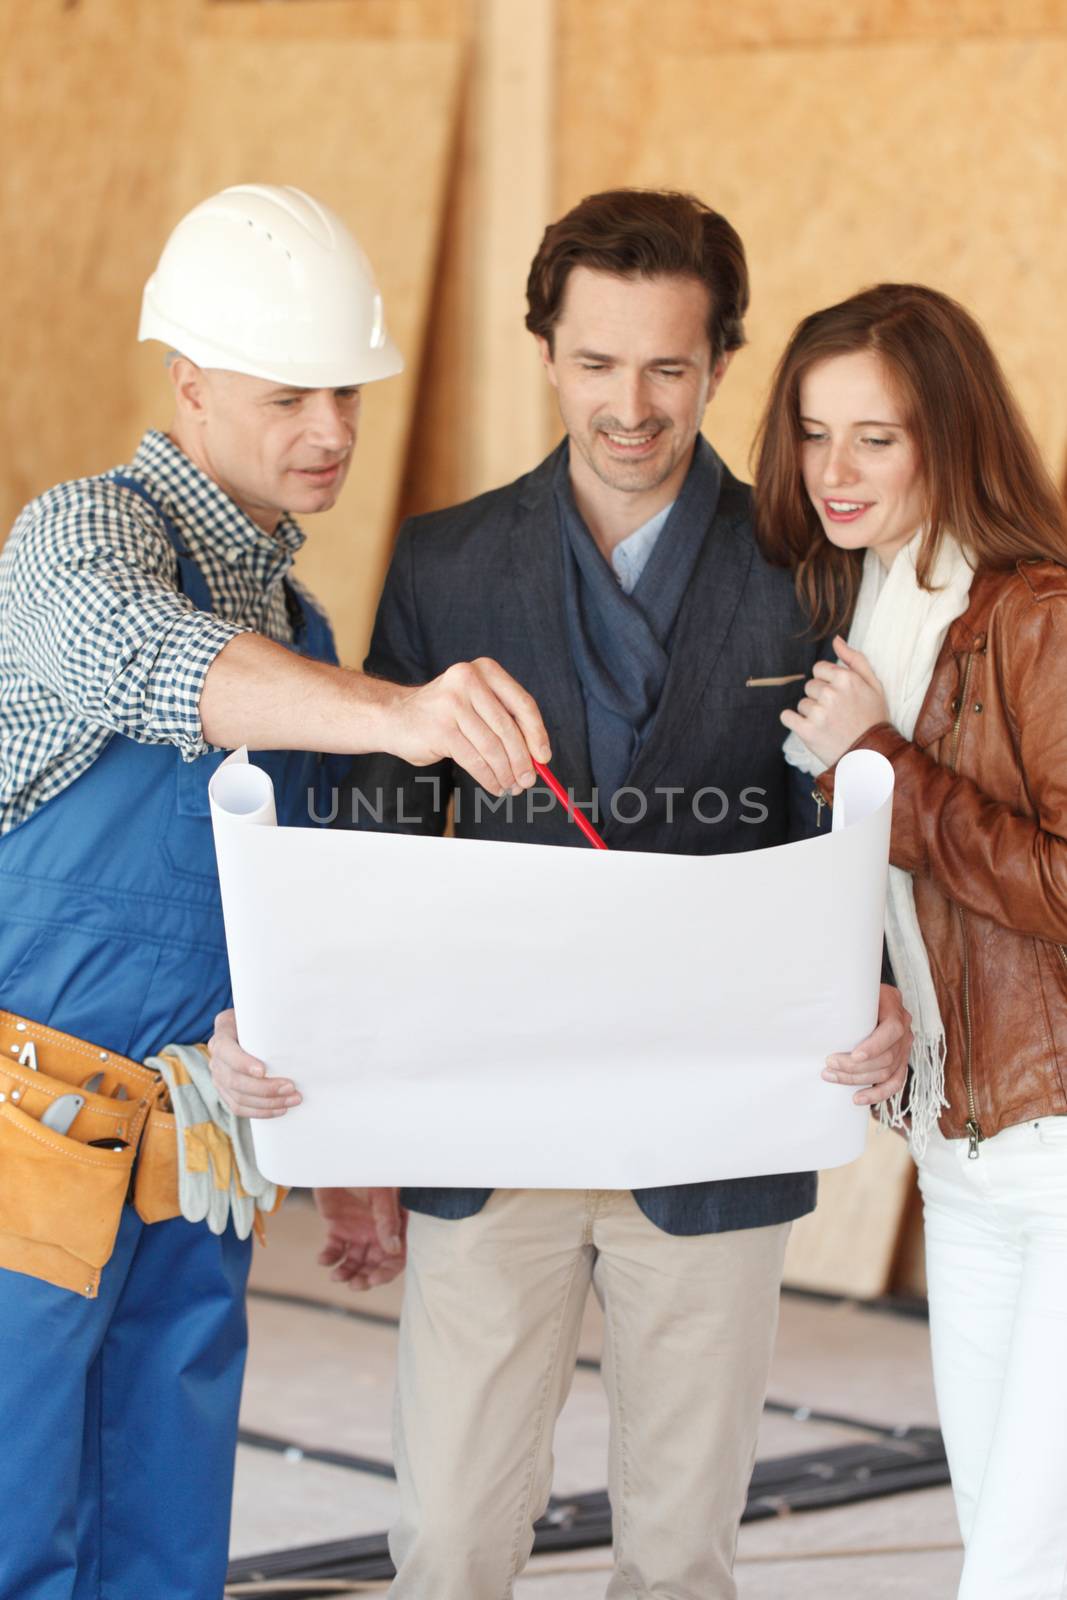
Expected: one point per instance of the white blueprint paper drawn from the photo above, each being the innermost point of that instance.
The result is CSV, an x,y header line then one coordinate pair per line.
x,y
463,1012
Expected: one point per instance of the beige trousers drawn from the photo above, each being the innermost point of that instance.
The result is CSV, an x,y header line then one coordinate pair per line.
x,y
488,1340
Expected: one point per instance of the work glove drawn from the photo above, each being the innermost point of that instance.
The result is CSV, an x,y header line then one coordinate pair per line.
x,y
217,1173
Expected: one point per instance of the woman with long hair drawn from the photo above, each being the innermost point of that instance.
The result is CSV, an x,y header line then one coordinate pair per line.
x,y
898,479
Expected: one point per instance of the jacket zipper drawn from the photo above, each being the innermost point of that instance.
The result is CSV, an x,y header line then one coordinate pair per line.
x,y
820,802
1063,953
974,1131
961,706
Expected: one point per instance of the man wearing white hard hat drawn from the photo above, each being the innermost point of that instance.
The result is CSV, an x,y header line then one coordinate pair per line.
x,y
148,620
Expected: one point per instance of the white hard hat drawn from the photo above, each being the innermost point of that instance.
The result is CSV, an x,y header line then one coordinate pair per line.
x,y
265,280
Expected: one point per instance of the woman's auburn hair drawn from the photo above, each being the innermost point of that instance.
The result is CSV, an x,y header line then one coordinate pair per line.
x,y
984,478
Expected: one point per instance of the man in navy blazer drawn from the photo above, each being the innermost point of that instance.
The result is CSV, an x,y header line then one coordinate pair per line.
x,y
620,583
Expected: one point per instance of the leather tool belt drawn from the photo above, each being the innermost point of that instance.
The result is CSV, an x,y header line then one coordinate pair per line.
x,y
62,1193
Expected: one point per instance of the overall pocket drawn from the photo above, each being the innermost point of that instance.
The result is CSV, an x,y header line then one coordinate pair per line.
x,y
185,839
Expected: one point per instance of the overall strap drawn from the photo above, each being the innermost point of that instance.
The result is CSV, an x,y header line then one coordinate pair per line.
x,y
190,579
311,633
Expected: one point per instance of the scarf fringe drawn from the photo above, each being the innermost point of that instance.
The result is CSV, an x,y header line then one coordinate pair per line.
x,y
917,1107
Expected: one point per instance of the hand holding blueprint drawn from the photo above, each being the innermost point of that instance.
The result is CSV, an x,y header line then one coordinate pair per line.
x,y
462,1012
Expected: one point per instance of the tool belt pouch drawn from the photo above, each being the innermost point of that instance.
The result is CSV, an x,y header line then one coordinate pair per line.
x,y
61,1197
155,1183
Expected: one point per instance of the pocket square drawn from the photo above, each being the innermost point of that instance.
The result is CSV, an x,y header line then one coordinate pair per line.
x,y
774,683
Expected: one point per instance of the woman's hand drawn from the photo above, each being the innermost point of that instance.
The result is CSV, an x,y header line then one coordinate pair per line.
x,y
841,701
878,1067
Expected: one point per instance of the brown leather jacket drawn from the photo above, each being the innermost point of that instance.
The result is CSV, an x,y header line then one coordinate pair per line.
x,y
980,819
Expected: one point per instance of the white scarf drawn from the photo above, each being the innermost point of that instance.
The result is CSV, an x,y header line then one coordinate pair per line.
x,y
900,628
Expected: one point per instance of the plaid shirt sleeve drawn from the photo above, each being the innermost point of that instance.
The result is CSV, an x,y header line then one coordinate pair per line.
x,y
94,613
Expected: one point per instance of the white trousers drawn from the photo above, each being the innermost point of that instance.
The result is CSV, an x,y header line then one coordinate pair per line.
x,y
488,1339
996,1250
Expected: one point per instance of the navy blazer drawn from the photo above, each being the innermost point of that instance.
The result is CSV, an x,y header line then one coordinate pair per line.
x,y
486,579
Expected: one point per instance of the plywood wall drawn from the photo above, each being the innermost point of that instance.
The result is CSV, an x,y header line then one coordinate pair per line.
x,y
125,115
849,145
361,159
831,194
847,142
484,416
852,1243
89,102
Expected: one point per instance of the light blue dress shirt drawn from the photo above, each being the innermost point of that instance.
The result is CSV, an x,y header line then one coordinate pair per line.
x,y
629,559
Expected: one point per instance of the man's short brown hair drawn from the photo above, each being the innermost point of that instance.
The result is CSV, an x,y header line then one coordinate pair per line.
x,y
644,233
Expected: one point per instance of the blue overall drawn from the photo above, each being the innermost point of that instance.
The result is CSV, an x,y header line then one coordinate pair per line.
x,y
120,1412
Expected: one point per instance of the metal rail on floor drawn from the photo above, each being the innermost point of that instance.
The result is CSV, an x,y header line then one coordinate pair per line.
x,y
891,1460
812,1481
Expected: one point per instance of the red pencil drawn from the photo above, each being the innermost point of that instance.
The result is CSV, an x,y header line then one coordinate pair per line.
x,y
572,811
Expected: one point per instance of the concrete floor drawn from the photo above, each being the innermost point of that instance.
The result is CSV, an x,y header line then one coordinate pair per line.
x,y
325,1381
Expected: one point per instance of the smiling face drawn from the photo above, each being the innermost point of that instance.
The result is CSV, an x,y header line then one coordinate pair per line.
x,y
631,365
271,448
860,464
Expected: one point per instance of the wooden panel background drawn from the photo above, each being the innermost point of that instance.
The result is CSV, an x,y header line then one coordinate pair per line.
x,y
362,161
127,115
829,193
610,50
89,98
852,1243
484,415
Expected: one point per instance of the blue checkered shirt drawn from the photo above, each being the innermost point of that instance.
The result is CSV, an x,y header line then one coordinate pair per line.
x,y
96,637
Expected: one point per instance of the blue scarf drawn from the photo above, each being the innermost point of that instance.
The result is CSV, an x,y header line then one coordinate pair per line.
x,y
620,643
